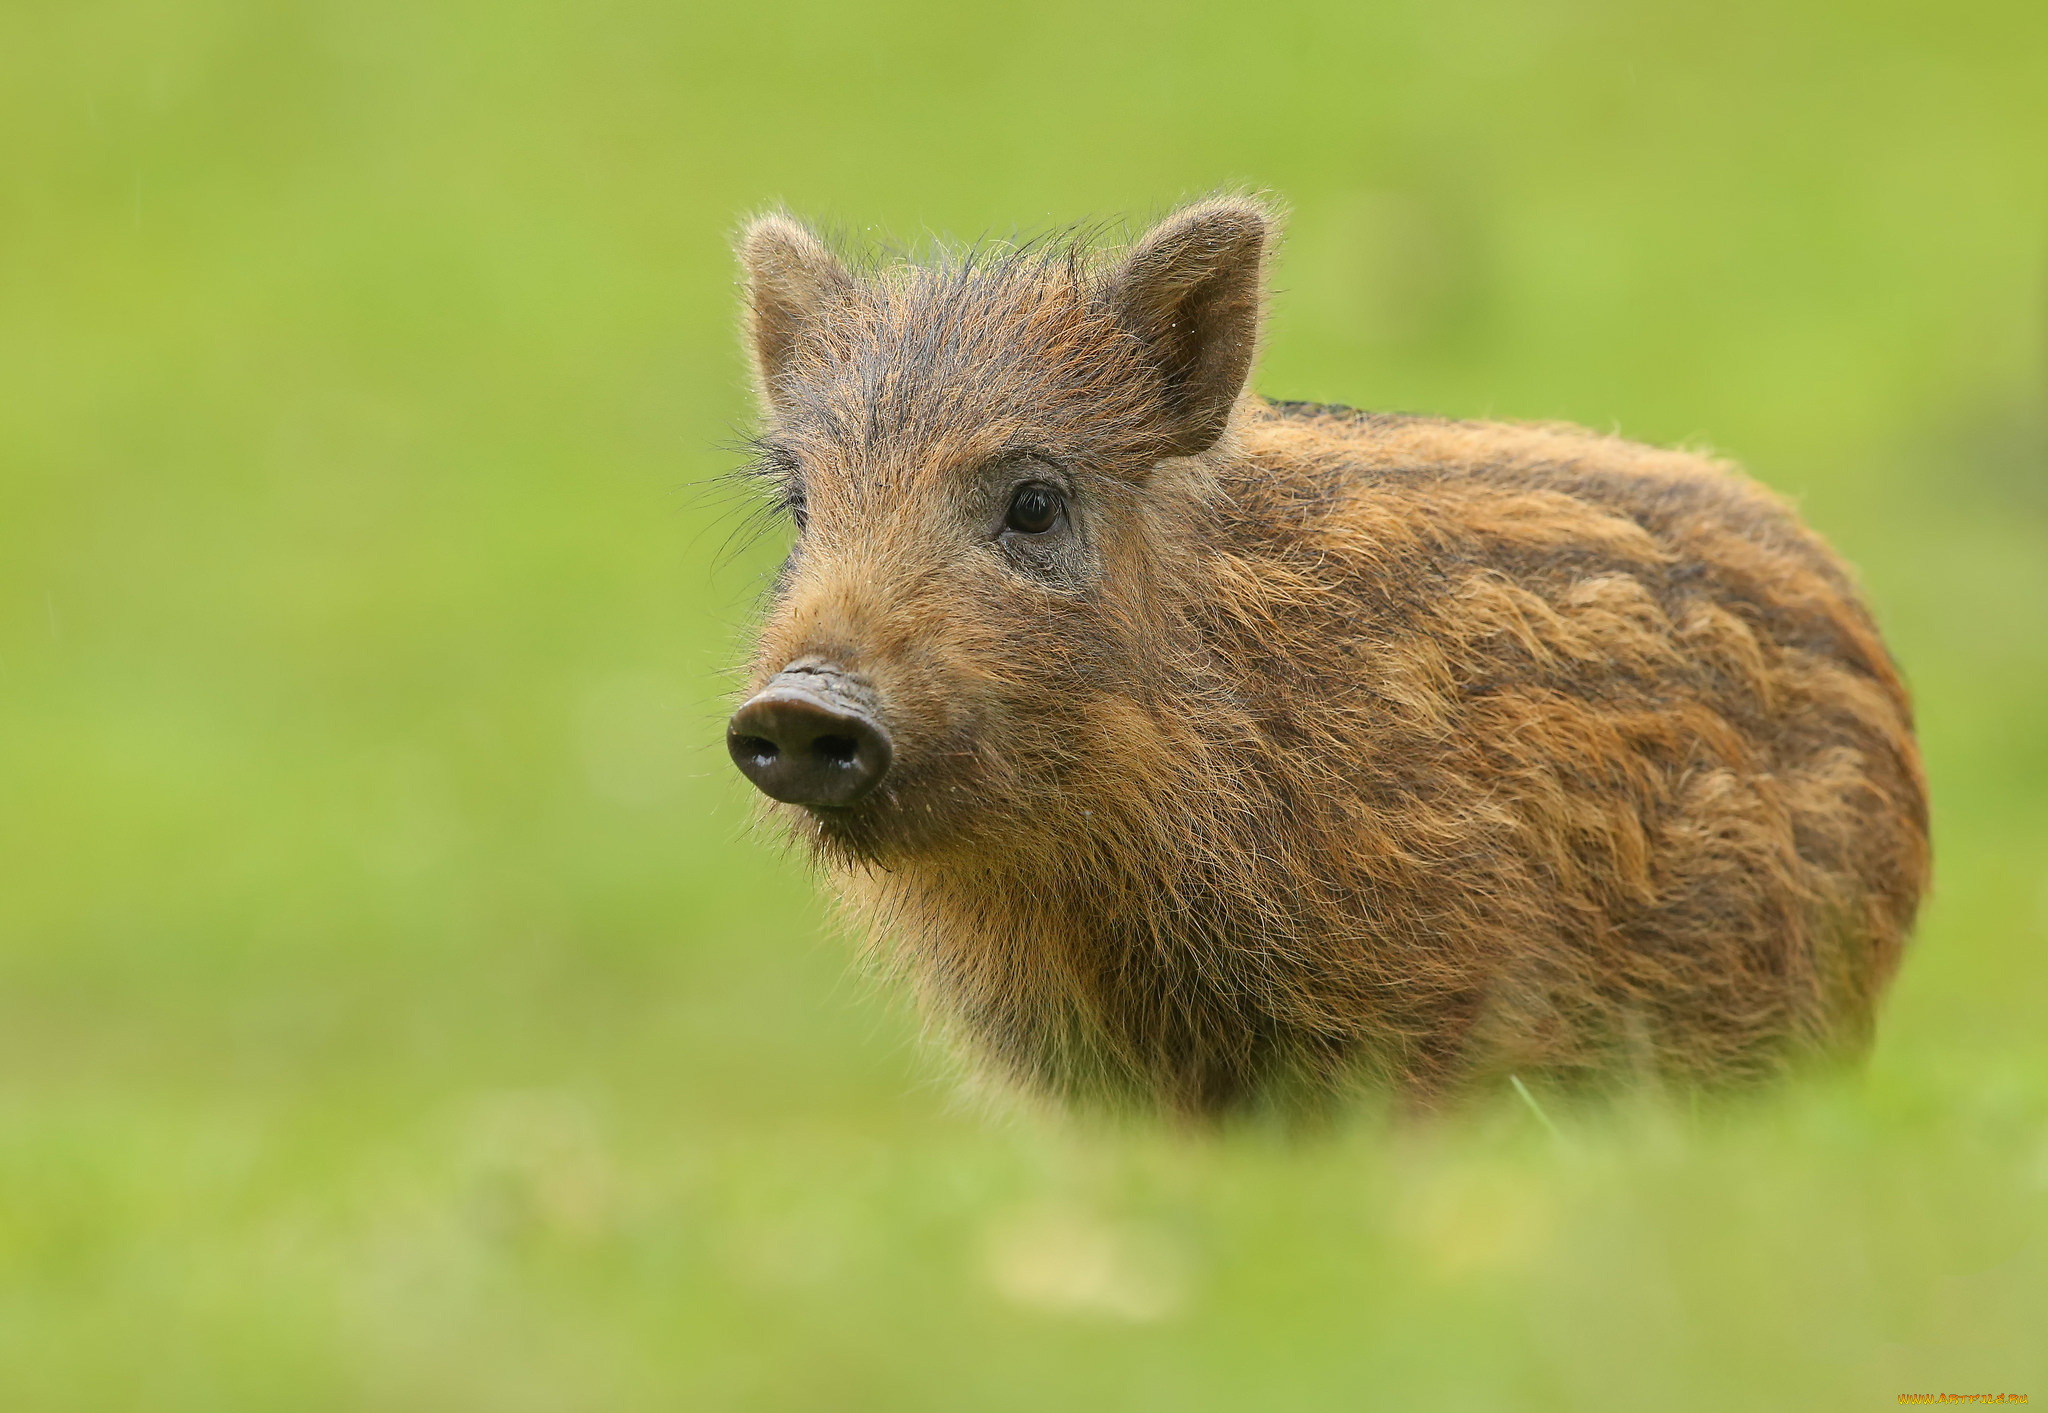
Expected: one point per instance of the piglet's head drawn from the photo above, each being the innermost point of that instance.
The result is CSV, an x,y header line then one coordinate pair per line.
x,y
993,462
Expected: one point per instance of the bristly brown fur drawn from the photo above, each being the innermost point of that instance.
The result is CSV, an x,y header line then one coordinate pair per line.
x,y
1332,749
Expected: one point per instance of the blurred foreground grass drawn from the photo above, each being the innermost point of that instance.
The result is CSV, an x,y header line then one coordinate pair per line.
x,y
394,1010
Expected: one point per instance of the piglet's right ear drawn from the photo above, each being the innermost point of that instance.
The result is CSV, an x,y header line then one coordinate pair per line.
x,y
793,282
1192,291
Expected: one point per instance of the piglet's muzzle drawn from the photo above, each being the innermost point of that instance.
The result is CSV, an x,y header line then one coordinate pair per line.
x,y
811,737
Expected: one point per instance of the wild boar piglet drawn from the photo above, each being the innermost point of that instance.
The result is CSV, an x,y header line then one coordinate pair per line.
x,y
1195,751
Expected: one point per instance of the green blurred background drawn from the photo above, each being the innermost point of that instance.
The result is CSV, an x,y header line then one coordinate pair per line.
x,y
396,1011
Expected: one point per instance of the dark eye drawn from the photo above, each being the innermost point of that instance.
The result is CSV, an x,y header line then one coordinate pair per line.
x,y
798,512
1034,509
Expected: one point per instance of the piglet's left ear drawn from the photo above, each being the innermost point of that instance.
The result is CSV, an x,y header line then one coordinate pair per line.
x,y
794,284
1192,292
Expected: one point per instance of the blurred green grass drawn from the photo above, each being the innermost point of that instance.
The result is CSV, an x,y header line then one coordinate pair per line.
x,y
396,1010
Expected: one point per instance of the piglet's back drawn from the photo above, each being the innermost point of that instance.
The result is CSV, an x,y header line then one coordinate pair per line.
x,y
1610,711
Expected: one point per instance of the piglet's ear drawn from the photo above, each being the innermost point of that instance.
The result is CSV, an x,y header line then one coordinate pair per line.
x,y
1191,291
793,282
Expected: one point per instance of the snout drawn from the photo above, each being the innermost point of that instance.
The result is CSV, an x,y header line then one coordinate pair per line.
x,y
811,737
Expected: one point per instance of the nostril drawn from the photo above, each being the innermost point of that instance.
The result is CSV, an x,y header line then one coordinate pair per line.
x,y
758,749
840,750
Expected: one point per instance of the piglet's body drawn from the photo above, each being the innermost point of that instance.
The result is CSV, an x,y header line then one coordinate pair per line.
x,y
1205,752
